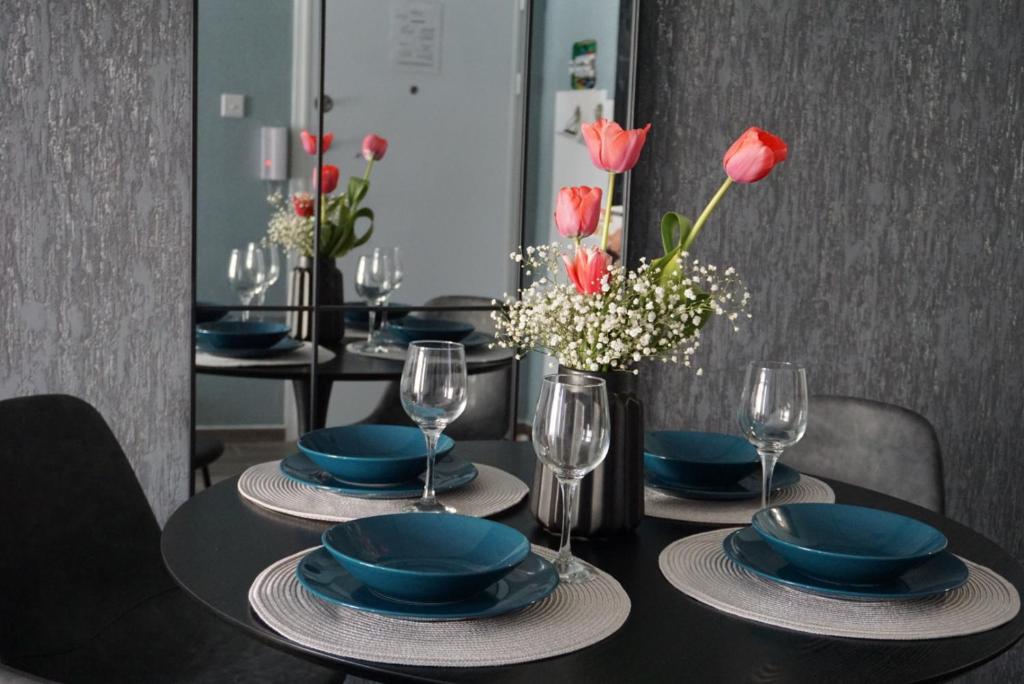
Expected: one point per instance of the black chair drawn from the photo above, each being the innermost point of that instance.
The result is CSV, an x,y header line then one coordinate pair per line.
x,y
207,450
84,594
876,445
488,413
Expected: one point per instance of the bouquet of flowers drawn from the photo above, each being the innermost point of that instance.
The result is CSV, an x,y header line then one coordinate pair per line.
x,y
291,224
608,317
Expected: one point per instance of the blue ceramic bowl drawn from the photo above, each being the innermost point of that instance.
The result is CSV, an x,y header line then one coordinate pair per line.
x,y
847,544
426,558
370,454
699,459
240,334
415,329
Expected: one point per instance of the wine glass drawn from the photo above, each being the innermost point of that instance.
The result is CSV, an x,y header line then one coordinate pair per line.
x,y
246,273
374,281
773,413
397,273
272,260
433,392
571,437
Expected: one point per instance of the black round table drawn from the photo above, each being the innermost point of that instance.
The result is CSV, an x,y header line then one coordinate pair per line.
x,y
216,543
344,366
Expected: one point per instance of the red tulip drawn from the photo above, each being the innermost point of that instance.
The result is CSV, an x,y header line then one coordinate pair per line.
x,y
587,269
331,176
612,148
577,211
753,155
309,142
374,146
303,203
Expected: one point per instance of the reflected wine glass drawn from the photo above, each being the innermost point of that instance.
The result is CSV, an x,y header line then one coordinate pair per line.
x,y
374,281
246,273
272,261
773,413
433,393
571,437
397,273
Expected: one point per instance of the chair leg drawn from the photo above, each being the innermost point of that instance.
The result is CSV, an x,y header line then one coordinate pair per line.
x,y
206,477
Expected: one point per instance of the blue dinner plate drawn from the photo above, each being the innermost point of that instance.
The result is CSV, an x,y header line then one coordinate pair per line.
x,y
370,455
426,558
747,488
241,334
842,543
470,342
699,459
530,581
939,574
286,345
414,328
450,472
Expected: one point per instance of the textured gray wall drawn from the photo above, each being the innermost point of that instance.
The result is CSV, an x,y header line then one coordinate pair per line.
x,y
888,252
95,161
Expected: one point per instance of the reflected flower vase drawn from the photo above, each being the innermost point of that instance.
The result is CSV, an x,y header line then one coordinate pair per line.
x,y
611,498
331,290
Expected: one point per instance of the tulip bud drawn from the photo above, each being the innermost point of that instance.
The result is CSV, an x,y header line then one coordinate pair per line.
x,y
374,147
611,148
303,203
577,211
331,177
309,142
753,155
587,269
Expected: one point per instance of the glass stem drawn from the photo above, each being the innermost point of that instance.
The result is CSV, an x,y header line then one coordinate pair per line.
x,y
245,302
432,436
568,488
768,460
373,320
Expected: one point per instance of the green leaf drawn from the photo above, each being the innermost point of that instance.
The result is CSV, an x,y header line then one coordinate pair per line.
x,y
357,188
674,229
366,213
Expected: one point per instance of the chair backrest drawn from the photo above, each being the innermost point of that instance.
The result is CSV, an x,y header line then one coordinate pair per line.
x,y
876,445
80,545
481,320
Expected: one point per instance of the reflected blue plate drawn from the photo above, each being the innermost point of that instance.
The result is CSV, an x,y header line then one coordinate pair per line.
x,y
842,543
241,334
426,558
361,317
470,342
450,472
699,459
371,454
747,488
530,581
939,574
286,345
414,328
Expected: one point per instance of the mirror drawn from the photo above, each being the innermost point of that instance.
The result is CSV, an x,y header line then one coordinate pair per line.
x,y
480,102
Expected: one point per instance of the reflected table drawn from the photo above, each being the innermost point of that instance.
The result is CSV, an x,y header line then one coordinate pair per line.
x,y
346,366
216,543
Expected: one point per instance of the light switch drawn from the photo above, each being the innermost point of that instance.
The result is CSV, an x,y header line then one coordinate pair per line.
x,y
232,106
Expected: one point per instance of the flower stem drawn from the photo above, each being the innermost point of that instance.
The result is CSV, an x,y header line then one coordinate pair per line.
x,y
703,218
369,167
607,211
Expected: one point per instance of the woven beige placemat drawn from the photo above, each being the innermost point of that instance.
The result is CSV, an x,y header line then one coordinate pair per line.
x,y
698,567
660,505
571,618
493,491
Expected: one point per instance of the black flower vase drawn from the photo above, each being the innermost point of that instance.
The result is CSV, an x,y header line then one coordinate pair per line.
x,y
611,498
331,289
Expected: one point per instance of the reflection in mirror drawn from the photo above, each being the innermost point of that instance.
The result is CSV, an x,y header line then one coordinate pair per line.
x,y
428,138
580,71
